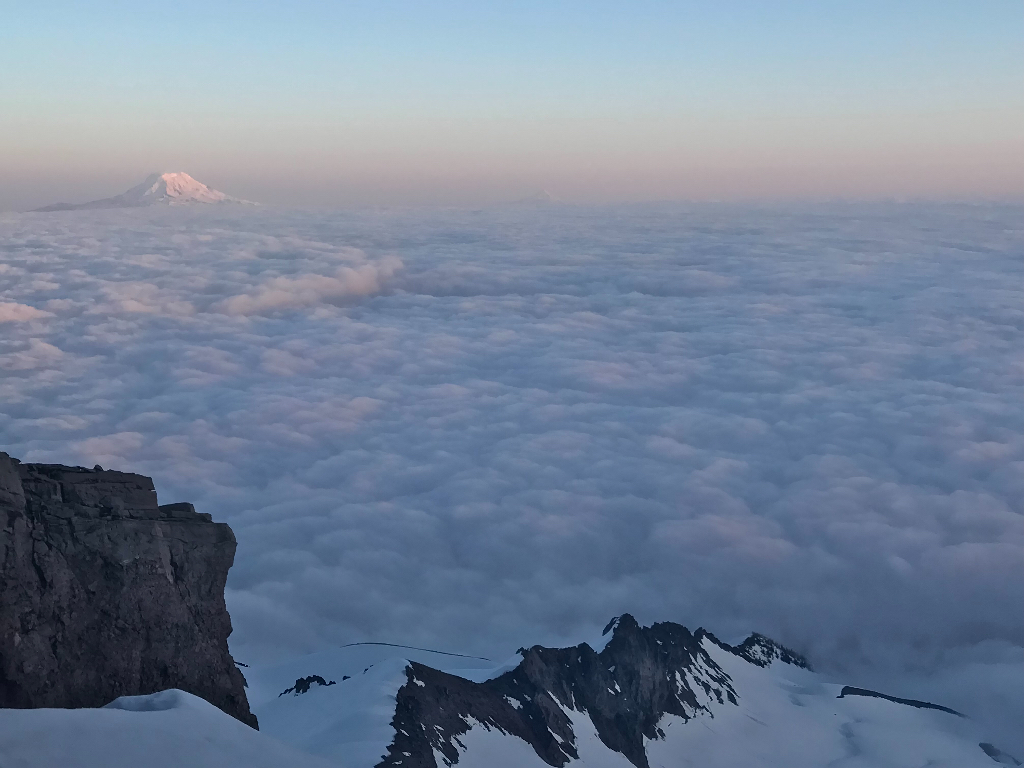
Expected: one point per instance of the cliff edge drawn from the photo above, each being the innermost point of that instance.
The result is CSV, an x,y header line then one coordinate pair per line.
x,y
107,594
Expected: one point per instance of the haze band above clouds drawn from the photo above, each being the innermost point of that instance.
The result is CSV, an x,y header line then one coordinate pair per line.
x,y
479,430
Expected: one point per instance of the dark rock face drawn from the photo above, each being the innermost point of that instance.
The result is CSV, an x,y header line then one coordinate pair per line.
x,y
303,683
998,755
108,594
762,651
640,675
849,690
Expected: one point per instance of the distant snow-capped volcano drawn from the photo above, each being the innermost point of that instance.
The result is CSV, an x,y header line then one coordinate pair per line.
x,y
157,189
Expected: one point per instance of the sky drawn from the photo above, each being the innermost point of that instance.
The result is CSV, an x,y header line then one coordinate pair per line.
x,y
480,430
339,103
765,376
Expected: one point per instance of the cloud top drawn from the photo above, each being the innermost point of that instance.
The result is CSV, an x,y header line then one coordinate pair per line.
x,y
288,293
478,430
13,312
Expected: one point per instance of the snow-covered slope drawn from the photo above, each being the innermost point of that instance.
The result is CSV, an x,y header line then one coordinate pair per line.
x,y
170,729
157,189
371,674
648,697
786,716
639,697
266,683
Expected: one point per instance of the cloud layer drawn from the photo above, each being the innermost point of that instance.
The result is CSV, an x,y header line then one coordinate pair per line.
x,y
483,429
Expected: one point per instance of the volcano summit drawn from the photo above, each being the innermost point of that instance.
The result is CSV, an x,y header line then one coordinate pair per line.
x,y
157,189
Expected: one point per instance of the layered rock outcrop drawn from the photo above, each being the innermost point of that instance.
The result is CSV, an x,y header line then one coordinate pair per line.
x,y
107,594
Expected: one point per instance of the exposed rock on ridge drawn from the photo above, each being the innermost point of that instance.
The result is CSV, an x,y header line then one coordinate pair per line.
x,y
108,594
642,674
302,685
762,651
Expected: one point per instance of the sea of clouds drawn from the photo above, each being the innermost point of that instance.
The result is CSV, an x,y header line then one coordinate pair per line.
x,y
476,430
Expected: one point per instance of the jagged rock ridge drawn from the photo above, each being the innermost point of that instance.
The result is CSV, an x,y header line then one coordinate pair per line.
x,y
641,675
108,594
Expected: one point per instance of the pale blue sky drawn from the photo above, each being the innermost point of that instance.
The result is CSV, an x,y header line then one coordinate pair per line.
x,y
329,103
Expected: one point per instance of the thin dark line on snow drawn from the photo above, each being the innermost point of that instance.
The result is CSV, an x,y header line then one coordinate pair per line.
x,y
414,648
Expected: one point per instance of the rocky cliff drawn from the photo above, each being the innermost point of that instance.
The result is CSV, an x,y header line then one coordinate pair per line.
x,y
107,594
